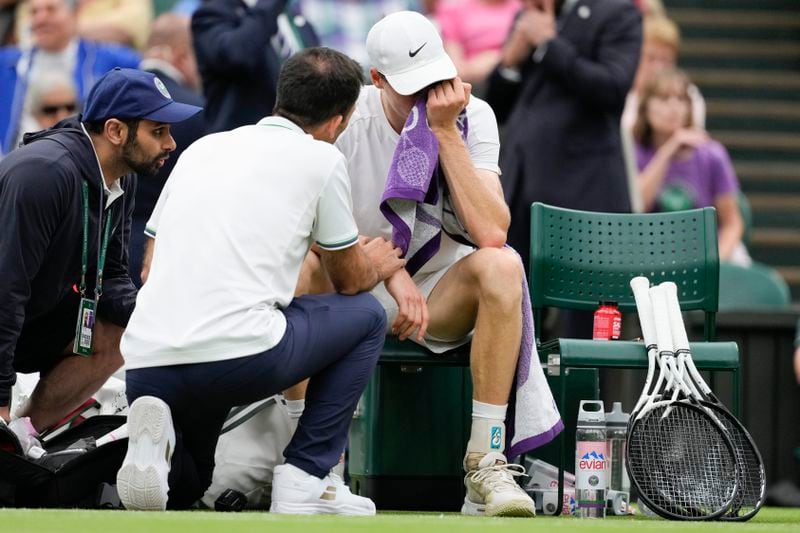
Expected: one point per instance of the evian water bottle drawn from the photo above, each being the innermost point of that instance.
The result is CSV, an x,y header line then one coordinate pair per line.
x,y
590,460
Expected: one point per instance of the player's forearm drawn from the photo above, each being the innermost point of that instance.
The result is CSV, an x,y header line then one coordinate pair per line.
x,y
478,200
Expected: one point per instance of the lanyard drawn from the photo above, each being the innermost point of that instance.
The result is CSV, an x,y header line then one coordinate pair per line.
x,y
101,253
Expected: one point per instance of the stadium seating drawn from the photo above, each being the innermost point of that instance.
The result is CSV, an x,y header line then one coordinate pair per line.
x,y
757,286
579,259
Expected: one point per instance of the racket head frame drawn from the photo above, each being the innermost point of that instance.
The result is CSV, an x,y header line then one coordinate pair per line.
x,y
751,486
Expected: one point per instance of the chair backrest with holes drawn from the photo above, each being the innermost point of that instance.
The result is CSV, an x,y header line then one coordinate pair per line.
x,y
580,258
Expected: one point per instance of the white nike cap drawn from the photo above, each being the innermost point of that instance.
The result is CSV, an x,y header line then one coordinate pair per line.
x,y
406,48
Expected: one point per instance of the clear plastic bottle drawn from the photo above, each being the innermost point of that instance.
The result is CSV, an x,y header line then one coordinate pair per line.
x,y
616,433
590,460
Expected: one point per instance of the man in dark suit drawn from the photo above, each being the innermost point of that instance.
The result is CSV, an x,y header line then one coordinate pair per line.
x,y
566,69
170,56
240,45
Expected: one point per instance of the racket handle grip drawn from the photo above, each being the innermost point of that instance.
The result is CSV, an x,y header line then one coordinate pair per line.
x,y
641,287
661,319
676,325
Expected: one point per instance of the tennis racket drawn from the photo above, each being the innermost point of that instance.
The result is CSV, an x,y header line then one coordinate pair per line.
x,y
641,287
679,459
751,483
651,392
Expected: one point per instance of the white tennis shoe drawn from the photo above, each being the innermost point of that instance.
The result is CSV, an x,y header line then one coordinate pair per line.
x,y
294,491
492,490
142,481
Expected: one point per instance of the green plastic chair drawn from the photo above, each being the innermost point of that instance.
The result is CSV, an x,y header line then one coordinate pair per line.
x,y
579,259
755,287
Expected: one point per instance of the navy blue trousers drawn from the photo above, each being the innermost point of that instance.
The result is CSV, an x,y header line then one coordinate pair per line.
x,y
333,339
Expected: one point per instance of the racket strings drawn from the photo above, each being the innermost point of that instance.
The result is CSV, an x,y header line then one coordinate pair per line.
x,y
751,480
681,462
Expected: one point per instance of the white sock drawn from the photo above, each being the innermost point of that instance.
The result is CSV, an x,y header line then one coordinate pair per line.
x,y
488,428
338,468
295,408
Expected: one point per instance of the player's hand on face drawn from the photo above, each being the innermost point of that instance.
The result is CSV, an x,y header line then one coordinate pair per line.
x,y
384,256
412,309
445,101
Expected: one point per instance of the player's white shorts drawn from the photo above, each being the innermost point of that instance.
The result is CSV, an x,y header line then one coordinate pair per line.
x,y
425,282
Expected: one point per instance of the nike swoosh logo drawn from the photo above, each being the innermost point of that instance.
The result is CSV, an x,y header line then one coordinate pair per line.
x,y
415,52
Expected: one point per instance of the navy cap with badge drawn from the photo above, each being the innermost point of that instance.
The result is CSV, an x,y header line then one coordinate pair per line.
x,y
126,93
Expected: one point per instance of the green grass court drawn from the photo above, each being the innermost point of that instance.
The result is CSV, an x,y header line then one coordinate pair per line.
x,y
58,521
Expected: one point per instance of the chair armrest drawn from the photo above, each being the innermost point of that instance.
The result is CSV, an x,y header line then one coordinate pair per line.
x,y
630,354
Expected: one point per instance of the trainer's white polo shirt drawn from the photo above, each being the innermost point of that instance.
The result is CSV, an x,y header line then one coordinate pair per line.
x,y
232,227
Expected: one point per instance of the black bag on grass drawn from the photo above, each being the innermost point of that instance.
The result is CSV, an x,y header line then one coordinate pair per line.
x,y
70,474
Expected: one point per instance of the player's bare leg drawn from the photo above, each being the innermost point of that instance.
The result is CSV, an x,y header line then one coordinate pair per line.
x,y
484,291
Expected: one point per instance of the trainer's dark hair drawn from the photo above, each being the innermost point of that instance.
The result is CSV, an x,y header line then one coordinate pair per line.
x,y
317,84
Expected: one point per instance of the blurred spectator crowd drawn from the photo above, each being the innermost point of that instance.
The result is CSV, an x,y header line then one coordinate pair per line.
x,y
593,113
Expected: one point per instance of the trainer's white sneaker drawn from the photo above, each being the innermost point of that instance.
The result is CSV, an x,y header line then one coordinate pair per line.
x,y
142,481
295,491
492,490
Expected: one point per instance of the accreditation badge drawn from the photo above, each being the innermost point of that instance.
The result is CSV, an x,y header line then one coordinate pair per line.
x,y
84,330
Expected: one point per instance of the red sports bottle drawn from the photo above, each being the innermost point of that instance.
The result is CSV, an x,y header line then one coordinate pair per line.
x,y
607,322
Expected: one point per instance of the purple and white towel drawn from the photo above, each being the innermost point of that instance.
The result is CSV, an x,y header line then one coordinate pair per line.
x,y
417,205
415,200
536,419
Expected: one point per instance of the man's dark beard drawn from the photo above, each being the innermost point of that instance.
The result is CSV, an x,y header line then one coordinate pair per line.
x,y
142,168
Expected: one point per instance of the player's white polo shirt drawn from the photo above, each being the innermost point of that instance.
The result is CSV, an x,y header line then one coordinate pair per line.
x,y
369,142
232,227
